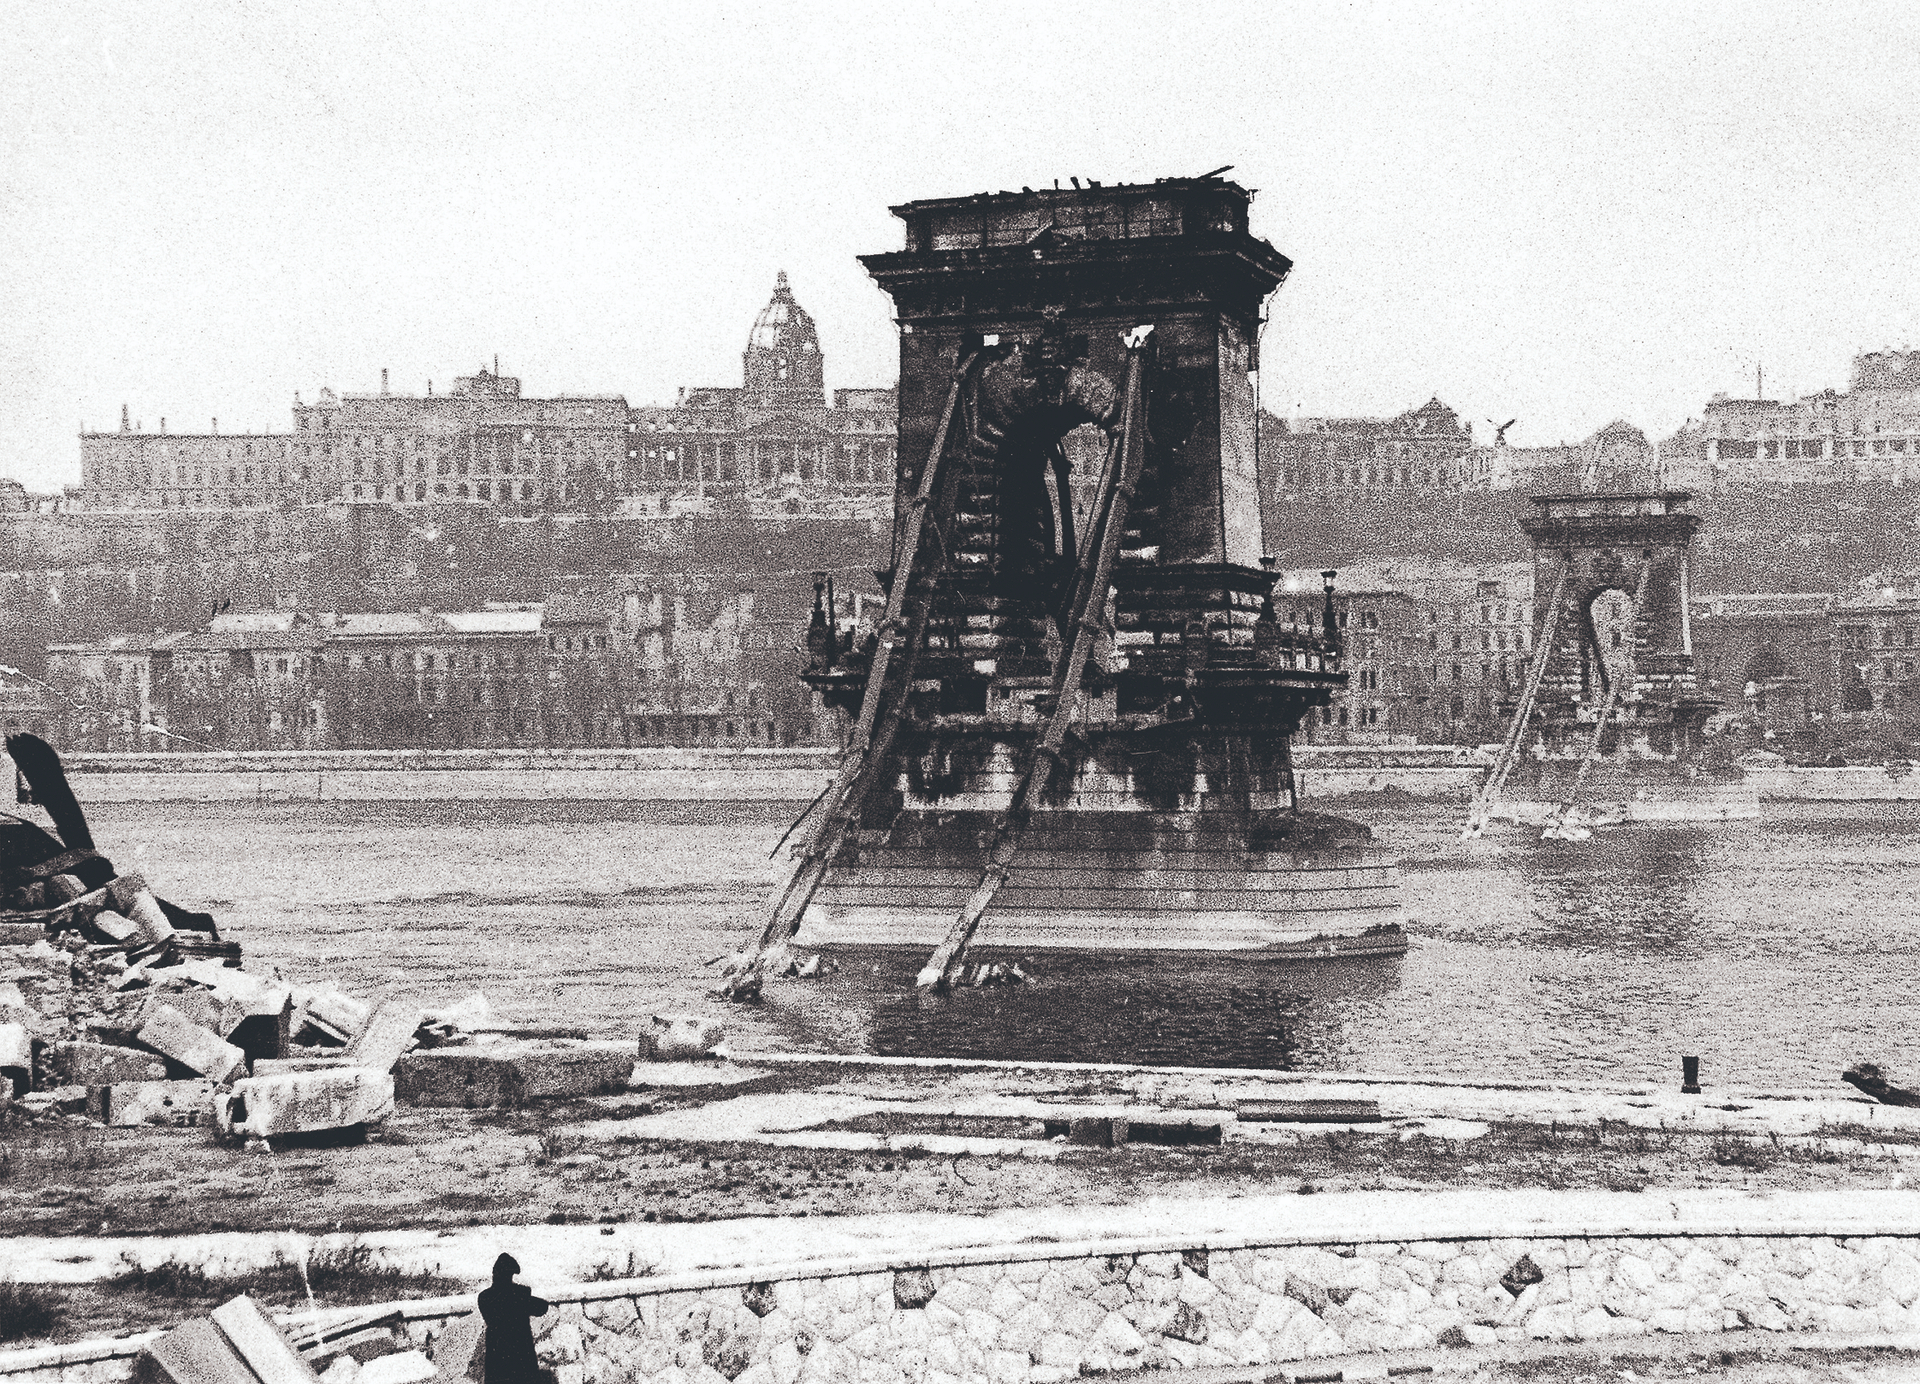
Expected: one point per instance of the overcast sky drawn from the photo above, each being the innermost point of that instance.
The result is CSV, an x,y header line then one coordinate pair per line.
x,y
1560,214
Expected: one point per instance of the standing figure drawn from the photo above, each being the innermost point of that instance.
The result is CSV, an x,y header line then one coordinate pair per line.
x,y
508,1308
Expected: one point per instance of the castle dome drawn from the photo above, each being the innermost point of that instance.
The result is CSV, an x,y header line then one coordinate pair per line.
x,y
782,359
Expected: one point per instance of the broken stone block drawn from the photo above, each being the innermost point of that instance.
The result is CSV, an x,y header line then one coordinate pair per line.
x,y
179,1103
282,1066
16,1058
257,1341
335,1016
406,1367
460,1350
387,1033
675,1037
129,896
171,1033
195,1005
263,1036
305,1102
196,1352
100,1064
507,1074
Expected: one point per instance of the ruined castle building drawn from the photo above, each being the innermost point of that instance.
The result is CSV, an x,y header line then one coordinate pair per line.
x,y
1869,433
775,445
776,442
1427,448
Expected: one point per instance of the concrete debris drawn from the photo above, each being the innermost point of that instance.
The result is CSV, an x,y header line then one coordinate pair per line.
x,y
342,1098
677,1037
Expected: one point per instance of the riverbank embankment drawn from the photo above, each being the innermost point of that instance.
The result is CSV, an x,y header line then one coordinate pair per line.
x,y
634,775
1325,773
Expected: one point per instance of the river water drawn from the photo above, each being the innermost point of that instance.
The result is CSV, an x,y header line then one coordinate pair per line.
x,y
1778,951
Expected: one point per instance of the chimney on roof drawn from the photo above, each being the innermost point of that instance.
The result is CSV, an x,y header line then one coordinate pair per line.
x,y
124,427
163,422
383,379
216,426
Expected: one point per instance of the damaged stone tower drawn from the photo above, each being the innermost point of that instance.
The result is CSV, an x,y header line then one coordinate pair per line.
x,y
1169,823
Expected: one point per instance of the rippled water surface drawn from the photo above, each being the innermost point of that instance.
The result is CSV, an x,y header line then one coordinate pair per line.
x,y
1778,951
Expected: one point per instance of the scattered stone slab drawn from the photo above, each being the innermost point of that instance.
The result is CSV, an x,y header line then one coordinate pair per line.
x,y
1309,1111
129,896
460,1350
101,1064
179,1103
405,1367
677,1037
508,1074
259,1343
386,1035
281,1066
304,1102
334,1014
682,1075
172,1034
196,1352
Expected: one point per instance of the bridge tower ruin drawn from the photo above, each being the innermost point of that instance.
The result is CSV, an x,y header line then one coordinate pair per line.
x,y
1621,567
1035,327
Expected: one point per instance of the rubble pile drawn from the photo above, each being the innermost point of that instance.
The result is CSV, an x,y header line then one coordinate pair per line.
x,y
119,1008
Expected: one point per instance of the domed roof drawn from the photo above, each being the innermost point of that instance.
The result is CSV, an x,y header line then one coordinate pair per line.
x,y
783,367
783,325
1620,430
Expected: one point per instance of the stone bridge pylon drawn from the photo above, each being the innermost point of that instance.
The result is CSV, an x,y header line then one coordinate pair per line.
x,y
1611,578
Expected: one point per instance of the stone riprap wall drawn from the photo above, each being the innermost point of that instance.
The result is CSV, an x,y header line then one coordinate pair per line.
x,y
1057,1312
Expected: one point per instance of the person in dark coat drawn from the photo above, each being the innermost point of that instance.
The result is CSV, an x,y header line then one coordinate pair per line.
x,y
508,1308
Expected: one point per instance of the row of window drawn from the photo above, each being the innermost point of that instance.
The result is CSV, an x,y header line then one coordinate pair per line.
x,y
1370,475
485,490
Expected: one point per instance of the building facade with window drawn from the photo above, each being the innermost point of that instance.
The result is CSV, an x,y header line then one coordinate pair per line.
x,y
1426,448
1384,636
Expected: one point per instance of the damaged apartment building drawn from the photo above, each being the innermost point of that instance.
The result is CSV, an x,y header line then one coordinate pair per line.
x,y
635,661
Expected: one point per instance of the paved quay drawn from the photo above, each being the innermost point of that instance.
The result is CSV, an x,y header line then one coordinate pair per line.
x,y
557,1254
